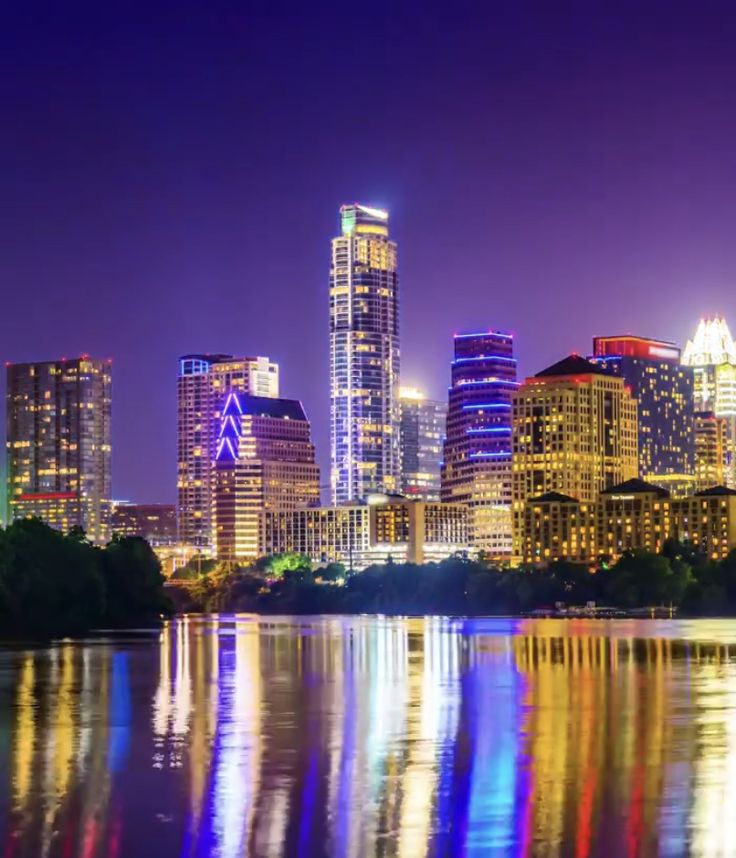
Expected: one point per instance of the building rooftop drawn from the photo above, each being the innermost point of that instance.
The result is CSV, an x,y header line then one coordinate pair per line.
x,y
712,344
571,365
264,406
553,497
636,487
715,491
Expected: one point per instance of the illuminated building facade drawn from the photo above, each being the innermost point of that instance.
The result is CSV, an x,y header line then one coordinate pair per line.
x,y
663,389
553,527
711,446
632,516
477,453
58,443
404,530
264,460
574,433
712,354
421,433
707,520
202,385
364,357
154,522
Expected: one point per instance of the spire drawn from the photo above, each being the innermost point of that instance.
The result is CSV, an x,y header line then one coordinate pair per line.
x,y
712,344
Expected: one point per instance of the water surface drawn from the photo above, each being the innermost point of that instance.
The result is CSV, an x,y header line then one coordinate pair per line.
x,y
301,737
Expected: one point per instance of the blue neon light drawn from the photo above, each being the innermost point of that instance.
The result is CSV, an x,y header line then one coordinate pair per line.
x,y
490,455
485,357
485,334
481,406
488,429
232,397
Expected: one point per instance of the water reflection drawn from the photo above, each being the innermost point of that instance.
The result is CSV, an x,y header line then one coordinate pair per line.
x,y
239,736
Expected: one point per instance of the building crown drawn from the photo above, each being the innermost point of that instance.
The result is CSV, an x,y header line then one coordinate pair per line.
x,y
712,344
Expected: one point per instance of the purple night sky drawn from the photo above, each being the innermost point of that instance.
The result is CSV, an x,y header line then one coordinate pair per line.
x,y
171,176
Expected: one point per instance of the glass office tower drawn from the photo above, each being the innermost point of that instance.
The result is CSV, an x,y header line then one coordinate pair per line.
x,y
364,357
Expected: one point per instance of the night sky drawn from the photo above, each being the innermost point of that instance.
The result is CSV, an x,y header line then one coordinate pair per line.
x,y
171,177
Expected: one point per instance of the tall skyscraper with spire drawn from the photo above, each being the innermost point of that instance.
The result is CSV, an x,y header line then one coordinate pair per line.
x,y
364,356
712,354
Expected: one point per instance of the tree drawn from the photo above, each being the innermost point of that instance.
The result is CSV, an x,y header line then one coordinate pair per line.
x,y
641,579
278,565
133,582
49,583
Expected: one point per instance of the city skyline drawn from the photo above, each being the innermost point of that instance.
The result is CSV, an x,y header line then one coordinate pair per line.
x,y
543,173
322,456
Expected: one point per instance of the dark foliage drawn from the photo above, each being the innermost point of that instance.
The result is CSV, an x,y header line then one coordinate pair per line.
x,y
679,577
57,585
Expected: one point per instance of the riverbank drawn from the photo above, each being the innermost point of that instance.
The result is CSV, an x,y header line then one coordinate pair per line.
x,y
639,584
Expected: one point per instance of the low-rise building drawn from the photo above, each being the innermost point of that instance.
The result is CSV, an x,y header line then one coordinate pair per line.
x,y
386,527
707,520
632,516
556,527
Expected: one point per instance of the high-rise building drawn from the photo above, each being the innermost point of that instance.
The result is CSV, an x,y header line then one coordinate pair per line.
x,y
58,442
711,436
477,453
574,433
202,386
712,354
364,356
663,389
264,460
421,433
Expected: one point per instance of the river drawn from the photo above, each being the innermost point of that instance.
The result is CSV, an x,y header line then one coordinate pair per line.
x,y
369,736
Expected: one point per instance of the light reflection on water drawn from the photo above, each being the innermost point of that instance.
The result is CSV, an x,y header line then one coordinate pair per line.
x,y
240,736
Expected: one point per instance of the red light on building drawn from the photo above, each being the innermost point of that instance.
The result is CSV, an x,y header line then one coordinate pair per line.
x,y
644,348
47,496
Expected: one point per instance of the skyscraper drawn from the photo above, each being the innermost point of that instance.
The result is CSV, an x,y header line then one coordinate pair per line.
x,y
201,389
264,461
58,441
574,434
663,389
712,354
421,433
364,356
477,452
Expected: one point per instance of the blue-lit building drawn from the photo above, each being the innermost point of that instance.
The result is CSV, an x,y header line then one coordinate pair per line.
x,y
663,388
364,357
264,461
477,453
202,384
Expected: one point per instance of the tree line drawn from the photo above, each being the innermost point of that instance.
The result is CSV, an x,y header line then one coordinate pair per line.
x,y
679,577
60,585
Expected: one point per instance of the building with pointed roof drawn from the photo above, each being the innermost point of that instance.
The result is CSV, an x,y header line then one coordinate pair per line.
x,y
712,354
264,460
631,516
574,431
